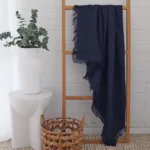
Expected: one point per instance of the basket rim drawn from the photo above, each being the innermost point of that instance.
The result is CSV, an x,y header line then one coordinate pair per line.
x,y
62,133
62,118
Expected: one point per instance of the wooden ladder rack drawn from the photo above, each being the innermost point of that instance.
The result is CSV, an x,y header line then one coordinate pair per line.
x,y
128,72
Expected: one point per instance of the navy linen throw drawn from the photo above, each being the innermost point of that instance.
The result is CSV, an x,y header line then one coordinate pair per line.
x,y
99,43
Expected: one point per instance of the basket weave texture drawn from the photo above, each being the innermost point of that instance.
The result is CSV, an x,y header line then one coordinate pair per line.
x,y
62,133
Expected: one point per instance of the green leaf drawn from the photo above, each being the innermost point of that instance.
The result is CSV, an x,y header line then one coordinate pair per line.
x,y
39,44
19,43
42,32
1,37
22,20
33,26
21,31
17,14
5,35
34,12
34,16
45,47
45,40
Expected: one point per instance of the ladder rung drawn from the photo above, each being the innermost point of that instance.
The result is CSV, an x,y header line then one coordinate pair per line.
x,y
70,52
92,141
71,7
79,97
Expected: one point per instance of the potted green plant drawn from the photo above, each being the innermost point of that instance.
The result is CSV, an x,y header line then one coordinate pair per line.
x,y
30,40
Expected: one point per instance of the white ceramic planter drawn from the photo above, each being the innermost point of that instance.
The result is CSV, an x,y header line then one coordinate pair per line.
x,y
29,68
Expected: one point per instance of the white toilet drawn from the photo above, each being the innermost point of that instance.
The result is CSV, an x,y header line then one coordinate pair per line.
x,y
25,116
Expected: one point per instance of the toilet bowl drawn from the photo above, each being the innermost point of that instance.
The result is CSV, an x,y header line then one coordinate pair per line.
x,y
25,117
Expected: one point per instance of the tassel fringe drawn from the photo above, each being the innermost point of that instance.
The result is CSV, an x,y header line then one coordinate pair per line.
x,y
75,50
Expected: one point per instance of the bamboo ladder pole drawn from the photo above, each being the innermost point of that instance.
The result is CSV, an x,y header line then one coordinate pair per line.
x,y
128,72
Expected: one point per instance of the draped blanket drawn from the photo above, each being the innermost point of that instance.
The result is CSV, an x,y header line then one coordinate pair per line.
x,y
99,43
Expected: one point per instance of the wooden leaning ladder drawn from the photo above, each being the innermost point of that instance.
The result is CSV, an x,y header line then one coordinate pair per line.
x,y
128,71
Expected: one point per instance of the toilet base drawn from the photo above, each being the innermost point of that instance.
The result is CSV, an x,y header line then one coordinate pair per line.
x,y
25,118
27,131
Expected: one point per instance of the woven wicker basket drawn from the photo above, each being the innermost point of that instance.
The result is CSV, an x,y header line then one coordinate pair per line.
x,y
62,133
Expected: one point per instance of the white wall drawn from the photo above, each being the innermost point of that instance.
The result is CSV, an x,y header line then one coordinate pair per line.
x,y
50,18
5,76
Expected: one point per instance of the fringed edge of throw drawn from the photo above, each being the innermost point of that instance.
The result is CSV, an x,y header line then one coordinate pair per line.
x,y
97,114
120,133
74,23
74,56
